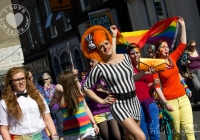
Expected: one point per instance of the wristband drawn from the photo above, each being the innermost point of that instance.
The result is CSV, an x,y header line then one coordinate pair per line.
x,y
188,91
114,36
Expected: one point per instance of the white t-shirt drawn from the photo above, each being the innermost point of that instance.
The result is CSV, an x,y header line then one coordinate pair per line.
x,y
31,122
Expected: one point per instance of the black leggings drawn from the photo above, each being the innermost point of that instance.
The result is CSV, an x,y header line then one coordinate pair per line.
x,y
109,130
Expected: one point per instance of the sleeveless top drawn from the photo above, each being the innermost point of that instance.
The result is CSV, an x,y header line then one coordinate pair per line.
x,y
76,124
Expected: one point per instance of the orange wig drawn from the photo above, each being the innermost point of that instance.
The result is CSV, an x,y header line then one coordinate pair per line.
x,y
99,34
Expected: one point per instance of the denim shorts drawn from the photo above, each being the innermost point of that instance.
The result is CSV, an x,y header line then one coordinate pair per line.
x,y
103,117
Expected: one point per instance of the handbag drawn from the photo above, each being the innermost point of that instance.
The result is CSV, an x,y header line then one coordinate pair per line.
x,y
187,74
157,64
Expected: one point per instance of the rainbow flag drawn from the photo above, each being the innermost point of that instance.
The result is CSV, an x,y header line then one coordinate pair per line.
x,y
165,30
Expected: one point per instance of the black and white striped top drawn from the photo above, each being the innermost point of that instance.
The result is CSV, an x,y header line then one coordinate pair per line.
x,y
118,77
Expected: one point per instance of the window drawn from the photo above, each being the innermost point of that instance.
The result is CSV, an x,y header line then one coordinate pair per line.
x,y
53,31
160,9
49,19
38,25
84,5
66,21
47,7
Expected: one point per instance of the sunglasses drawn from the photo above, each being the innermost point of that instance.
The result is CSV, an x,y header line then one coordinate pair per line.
x,y
193,46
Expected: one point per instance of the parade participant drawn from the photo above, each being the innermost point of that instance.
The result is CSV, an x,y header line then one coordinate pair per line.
x,y
149,110
24,112
52,101
151,51
107,124
116,71
83,75
192,64
30,77
77,117
173,93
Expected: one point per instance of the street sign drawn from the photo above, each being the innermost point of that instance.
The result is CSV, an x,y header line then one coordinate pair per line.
x,y
60,5
101,17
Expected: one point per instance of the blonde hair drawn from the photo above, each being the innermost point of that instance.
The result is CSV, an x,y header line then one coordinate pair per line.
x,y
46,75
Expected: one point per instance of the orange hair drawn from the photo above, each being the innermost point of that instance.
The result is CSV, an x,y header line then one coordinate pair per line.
x,y
99,34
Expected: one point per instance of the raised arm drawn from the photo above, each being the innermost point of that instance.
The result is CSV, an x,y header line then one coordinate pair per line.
x,y
113,29
183,40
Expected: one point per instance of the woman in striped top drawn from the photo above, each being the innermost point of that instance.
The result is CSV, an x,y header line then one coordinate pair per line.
x,y
117,72
77,117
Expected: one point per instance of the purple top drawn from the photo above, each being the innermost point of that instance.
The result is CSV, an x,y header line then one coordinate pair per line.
x,y
95,107
49,93
194,62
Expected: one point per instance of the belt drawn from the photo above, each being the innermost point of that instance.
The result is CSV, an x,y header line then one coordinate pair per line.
x,y
124,96
35,136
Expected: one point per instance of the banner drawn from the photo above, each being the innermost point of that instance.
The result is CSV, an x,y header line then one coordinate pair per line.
x,y
60,5
101,17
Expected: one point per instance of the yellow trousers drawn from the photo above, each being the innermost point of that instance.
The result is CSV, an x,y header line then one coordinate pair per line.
x,y
182,123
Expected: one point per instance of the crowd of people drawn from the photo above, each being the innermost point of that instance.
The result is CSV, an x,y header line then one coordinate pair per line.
x,y
114,100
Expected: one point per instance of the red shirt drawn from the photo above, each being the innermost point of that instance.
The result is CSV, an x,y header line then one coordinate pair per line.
x,y
142,87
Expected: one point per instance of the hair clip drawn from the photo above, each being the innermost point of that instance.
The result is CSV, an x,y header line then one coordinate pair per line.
x,y
91,45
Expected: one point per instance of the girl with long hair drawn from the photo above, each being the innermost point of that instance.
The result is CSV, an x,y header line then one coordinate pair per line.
x,y
24,112
77,117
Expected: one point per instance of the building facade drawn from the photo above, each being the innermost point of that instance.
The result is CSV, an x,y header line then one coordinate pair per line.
x,y
55,36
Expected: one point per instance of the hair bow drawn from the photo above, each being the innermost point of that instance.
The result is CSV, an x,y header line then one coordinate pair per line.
x,y
91,45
